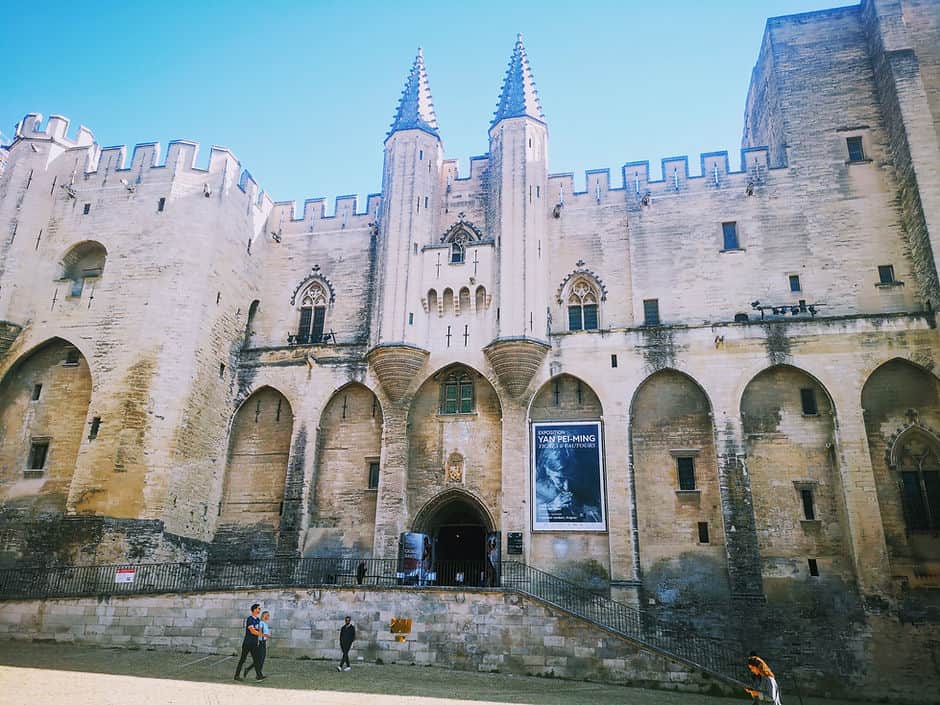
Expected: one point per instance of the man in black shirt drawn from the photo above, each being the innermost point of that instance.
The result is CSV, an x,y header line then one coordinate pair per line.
x,y
347,635
250,642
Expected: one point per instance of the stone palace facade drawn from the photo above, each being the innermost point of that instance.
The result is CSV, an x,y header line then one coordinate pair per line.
x,y
743,363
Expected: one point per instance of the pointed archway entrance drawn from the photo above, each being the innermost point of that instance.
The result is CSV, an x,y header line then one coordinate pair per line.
x,y
460,528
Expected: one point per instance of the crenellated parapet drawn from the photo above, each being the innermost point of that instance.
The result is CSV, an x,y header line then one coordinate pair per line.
x,y
638,183
219,174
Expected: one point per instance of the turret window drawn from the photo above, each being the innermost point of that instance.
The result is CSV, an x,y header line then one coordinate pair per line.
x,y
458,253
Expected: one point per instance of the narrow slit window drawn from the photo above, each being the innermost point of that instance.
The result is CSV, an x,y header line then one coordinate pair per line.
x,y
809,509
813,567
686,471
651,312
613,360
161,204
703,532
38,453
373,475
37,390
221,369
795,282
730,236
86,209
95,427
854,145
886,274
808,401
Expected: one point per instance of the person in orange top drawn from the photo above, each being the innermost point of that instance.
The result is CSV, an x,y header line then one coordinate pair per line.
x,y
765,685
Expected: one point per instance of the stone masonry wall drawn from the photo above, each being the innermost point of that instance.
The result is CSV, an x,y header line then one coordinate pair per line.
x,y
451,629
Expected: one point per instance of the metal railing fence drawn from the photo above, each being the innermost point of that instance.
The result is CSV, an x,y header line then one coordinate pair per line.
x,y
714,656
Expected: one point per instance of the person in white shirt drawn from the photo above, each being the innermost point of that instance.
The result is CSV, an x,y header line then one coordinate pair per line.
x,y
262,653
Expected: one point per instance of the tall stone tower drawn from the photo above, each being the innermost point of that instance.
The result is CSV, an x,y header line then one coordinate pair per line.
x,y
410,186
516,218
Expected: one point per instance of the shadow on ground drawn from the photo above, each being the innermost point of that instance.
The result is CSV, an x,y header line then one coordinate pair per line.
x,y
395,681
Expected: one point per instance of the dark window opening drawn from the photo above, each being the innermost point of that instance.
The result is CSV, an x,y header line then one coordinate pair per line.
x,y
95,427
86,209
808,400
373,475
921,492
730,234
37,390
218,297
686,470
221,369
813,567
457,394
277,413
312,321
703,532
457,253
38,451
71,357
795,283
886,274
856,153
613,360
809,510
77,285
411,319
651,312
161,204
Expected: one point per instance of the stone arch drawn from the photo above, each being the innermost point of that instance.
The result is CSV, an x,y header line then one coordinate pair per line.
x,y
458,523
258,452
83,264
901,402
565,397
349,442
44,402
676,488
250,321
788,422
480,298
464,300
433,436
432,301
424,518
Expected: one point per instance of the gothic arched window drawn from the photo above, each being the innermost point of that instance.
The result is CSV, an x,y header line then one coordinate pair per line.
x,y
582,306
313,305
457,393
918,464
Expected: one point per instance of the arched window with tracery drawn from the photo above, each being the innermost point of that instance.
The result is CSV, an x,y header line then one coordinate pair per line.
x,y
582,305
918,464
313,306
457,393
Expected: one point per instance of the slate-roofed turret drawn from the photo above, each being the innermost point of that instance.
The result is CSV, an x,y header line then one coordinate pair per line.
x,y
415,108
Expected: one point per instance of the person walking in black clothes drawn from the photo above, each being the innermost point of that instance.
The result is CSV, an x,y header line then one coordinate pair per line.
x,y
347,635
250,642
262,653
360,572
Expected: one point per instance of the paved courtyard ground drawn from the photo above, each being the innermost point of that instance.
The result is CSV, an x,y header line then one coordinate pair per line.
x,y
56,674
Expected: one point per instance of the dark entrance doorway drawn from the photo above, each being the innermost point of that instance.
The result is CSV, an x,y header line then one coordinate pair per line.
x,y
458,528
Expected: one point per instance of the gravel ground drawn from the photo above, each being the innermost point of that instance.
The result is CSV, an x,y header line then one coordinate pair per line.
x,y
54,674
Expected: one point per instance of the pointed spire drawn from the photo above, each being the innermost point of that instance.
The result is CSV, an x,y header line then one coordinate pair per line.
x,y
416,109
519,97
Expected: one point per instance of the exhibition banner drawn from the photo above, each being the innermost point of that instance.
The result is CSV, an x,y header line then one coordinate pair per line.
x,y
567,476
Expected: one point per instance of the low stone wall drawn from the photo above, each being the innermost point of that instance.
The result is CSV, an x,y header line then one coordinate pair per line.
x,y
480,631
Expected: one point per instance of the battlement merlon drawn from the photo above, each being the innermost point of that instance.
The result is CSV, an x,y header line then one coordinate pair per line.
x,y
222,172
346,213
636,178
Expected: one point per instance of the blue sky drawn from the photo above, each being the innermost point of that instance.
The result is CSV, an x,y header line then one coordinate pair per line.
x,y
303,92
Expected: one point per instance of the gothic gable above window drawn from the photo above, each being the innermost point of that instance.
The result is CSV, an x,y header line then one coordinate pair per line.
x,y
314,285
462,232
